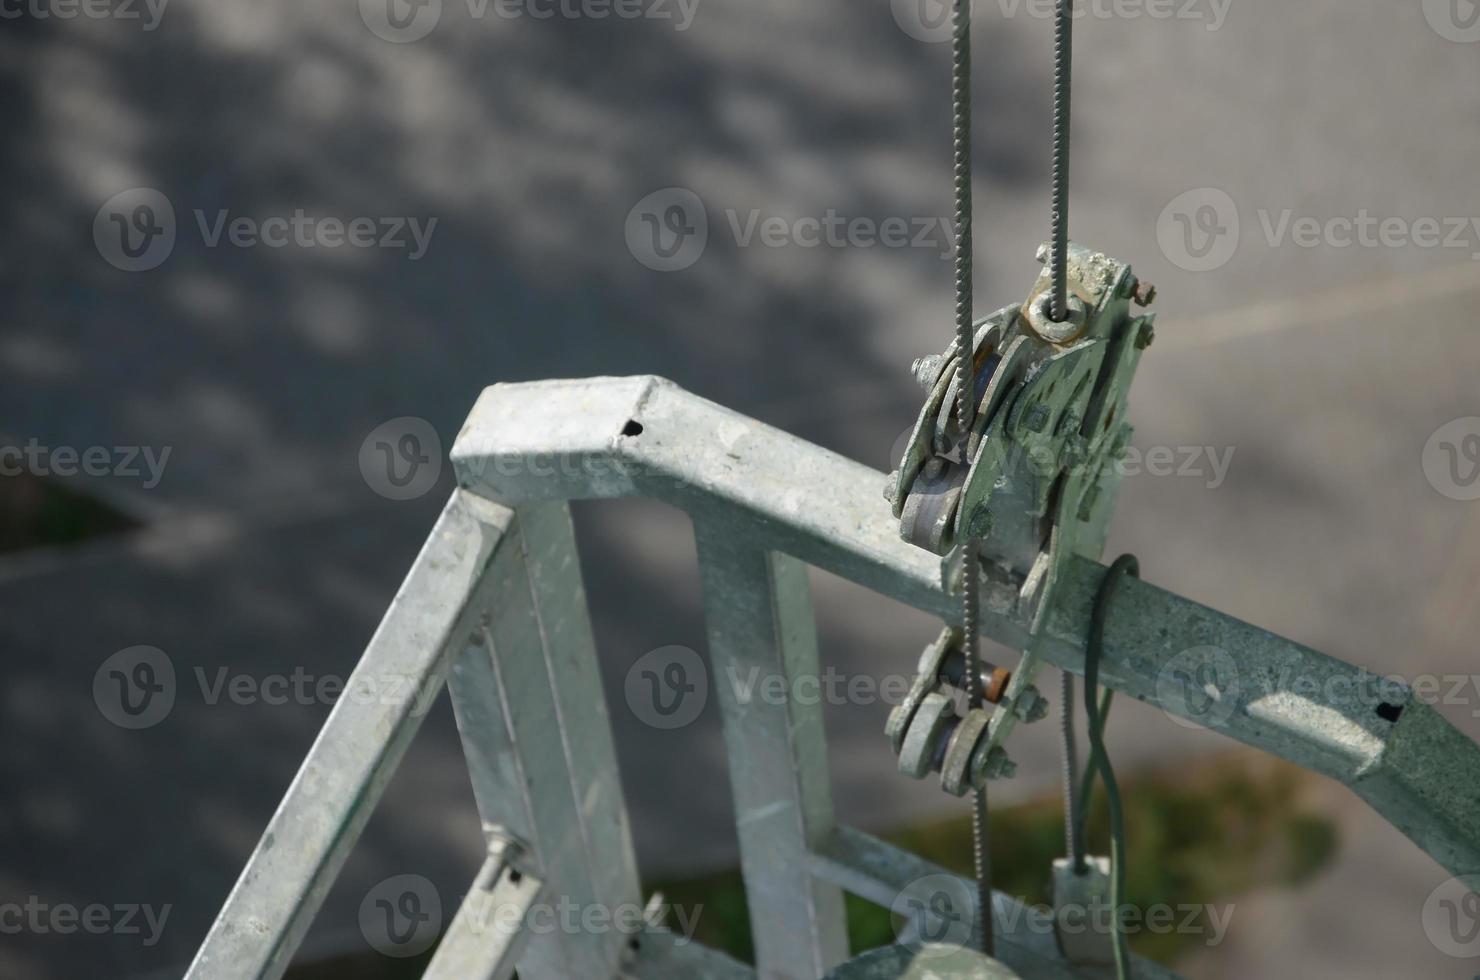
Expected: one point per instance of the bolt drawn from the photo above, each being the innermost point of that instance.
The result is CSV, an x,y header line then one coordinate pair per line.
x,y
1145,337
1144,293
891,486
1037,419
1032,706
926,370
994,765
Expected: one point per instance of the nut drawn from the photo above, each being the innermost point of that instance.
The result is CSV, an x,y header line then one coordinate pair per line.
x,y
990,765
927,369
1031,706
1038,313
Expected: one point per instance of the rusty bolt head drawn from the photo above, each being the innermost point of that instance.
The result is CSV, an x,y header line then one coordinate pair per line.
x,y
996,685
1145,293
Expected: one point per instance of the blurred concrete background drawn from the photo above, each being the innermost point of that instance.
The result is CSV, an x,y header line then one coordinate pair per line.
x,y
1210,138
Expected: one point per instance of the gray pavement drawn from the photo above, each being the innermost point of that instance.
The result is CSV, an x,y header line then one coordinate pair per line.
x,y
1324,370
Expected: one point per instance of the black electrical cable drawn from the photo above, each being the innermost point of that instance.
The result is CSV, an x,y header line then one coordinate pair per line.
x,y
1099,761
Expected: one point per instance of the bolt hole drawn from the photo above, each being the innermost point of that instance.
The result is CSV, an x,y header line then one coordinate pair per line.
x,y
632,428
1390,712
634,944
515,876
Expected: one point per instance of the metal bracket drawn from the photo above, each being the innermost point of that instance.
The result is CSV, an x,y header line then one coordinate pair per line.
x,y
488,935
1035,481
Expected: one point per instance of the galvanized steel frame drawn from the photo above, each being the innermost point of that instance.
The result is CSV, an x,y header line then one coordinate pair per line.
x,y
495,608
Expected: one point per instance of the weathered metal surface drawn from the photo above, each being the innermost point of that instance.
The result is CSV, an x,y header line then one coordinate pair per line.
x,y
662,955
758,612
563,440
1082,889
881,872
325,809
486,938
501,593
922,963
533,718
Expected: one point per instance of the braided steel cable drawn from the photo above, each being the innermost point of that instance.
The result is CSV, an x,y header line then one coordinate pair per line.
x,y
1063,59
966,417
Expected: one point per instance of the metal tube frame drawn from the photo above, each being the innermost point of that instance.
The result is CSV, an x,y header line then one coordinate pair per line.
x,y
495,608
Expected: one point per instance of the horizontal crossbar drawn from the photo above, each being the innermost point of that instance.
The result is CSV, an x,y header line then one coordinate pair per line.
x,y
646,437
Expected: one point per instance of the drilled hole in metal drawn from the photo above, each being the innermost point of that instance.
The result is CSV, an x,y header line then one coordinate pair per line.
x,y
1390,712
